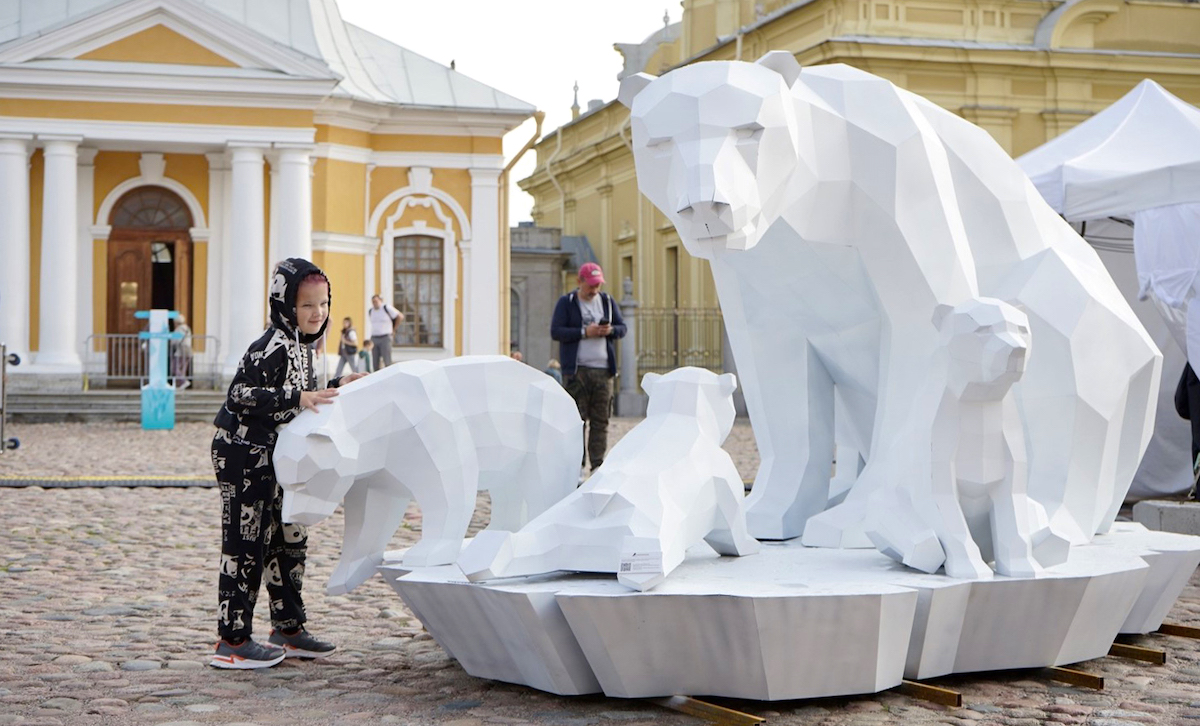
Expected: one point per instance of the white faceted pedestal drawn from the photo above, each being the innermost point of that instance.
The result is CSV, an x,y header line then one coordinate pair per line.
x,y
796,622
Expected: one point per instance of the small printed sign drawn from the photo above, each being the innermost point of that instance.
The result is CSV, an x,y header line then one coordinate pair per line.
x,y
641,563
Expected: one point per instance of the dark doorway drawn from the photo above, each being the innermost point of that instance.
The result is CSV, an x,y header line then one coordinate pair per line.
x,y
149,266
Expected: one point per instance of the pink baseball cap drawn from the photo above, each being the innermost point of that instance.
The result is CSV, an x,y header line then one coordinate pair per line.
x,y
591,273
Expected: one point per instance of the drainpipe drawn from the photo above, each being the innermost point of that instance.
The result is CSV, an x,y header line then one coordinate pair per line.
x,y
506,235
562,198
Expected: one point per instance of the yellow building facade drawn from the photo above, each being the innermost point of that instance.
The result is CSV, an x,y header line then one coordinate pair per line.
x,y
166,153
1025,70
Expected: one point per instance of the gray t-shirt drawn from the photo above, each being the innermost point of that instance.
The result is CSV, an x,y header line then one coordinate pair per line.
x,y
593,352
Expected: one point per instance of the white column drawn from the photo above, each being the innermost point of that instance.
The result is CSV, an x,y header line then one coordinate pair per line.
x,y
482,281
273,255
295,200
369,283
58,343
218,170
245,266
85,189
14,243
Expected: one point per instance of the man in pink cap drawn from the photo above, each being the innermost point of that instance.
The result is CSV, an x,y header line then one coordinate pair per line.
x,y
585,324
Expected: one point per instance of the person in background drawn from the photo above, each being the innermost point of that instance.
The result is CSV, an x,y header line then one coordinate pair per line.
x,y
554,370
181,361
347,348
364,357
586,323
516,355
382,319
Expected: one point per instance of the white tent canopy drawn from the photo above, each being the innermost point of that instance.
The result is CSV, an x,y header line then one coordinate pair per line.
x,y
1139,159
1139,153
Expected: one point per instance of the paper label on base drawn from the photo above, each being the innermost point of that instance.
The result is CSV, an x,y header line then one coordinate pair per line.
x,y
640,563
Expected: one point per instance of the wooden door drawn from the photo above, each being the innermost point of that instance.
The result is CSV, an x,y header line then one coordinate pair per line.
x,y
128,292
128,285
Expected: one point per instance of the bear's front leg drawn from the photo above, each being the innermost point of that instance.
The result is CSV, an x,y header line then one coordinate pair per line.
x,y
963,558
373,510
790,399
1012,526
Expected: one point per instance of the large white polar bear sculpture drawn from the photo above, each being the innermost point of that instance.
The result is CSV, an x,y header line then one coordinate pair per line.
x,y
436,432
837,212
664,487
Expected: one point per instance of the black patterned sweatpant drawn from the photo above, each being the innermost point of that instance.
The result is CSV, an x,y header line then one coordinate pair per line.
x,y
254,539
592,390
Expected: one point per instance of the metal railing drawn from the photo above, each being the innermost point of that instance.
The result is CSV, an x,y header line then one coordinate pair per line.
x,y
122,361
668,338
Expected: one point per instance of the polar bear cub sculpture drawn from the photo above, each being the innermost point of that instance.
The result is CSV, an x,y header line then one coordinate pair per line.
x,y
665,486
437,432
969,503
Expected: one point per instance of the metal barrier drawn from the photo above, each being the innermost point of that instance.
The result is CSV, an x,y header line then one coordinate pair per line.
x,y
122,361
668,338
6,359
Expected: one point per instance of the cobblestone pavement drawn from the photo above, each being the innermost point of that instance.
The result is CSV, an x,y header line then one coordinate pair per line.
x,y
107,600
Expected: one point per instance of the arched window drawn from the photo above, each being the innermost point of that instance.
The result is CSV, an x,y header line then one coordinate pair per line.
x,y
151,207
418,270
514,319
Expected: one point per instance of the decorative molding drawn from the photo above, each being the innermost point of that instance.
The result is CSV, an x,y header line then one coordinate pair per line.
x,y
143,133
184,193
485,177
420,178
200,234
354,244
392,119
432,159
99,82
222,35
459,214
153,167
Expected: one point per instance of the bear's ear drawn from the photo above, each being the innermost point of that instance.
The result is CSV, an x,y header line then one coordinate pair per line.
x,y
939,314
648,381
728,383
783,63
631,86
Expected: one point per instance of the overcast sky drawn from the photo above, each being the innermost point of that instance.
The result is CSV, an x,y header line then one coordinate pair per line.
x,y
532,49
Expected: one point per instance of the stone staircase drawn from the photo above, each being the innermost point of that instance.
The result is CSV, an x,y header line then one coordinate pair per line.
x,y
111,405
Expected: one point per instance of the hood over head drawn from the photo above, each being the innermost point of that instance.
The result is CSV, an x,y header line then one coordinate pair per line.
x,y
285,284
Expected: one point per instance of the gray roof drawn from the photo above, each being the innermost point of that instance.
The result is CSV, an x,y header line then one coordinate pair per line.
x,y
371,68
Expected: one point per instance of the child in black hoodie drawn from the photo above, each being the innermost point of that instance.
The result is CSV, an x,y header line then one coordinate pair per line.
x,y
275,380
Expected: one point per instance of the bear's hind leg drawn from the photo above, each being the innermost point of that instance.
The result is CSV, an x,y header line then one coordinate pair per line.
x,y
729,535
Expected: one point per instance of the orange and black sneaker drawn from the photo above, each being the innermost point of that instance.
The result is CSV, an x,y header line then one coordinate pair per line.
x,y
245,655
300,644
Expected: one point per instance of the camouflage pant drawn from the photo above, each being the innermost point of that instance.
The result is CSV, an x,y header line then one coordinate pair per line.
x,y
592,390
254,539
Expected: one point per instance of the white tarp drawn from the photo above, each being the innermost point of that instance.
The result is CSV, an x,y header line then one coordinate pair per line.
x,y
1139,153
1139,159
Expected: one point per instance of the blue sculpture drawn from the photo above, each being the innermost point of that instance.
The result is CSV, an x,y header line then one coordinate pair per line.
x,y
158,396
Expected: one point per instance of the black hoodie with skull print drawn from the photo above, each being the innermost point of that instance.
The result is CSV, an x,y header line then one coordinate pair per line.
x,y
265,392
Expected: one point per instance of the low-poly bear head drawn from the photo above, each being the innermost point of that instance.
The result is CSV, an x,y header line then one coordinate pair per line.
x,y
694,392
987,341
714,144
